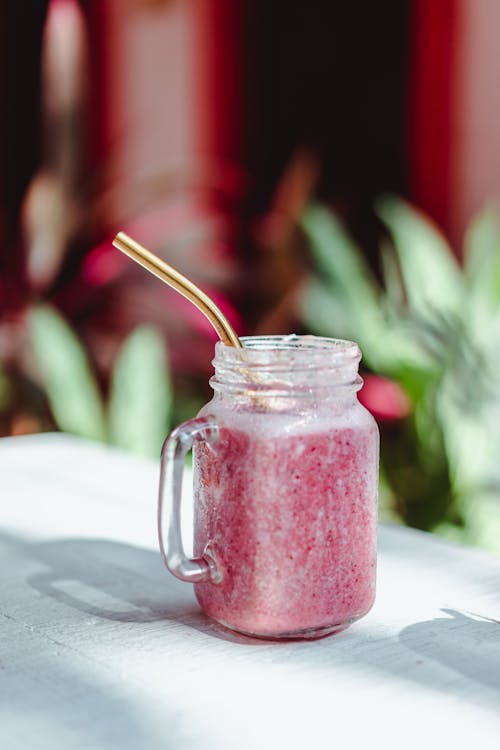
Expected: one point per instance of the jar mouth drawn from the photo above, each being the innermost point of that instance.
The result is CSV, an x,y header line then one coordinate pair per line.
x,y
289,351
294,363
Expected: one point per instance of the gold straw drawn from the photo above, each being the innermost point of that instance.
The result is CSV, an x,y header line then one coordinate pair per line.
x,y
177,281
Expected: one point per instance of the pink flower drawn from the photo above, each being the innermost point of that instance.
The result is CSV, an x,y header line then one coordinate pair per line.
x,y
384,398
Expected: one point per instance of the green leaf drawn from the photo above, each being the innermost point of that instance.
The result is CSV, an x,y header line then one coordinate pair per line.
x,y
355,309
431,275
395,296
323,312
482,270
387,512
482,521
482,251
140,399
339,258
347,302
71,387
471,431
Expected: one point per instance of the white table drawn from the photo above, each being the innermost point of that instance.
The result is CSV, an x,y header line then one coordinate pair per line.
x,y
101,648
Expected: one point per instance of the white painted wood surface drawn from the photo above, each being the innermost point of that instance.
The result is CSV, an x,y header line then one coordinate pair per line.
x,y
101,648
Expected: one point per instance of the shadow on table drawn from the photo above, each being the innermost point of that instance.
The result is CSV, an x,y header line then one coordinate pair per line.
x,y
116,582
465,642
49,693
122,583
458,644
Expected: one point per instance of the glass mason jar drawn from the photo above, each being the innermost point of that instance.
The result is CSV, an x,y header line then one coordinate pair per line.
x,y
285,490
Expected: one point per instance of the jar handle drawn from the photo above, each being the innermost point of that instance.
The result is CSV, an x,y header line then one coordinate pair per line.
x,y
173,455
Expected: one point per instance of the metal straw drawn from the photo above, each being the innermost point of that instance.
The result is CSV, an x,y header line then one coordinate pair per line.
x,y
181,284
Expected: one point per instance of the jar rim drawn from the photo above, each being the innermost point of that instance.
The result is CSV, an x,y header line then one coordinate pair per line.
x,y
291,365
307,350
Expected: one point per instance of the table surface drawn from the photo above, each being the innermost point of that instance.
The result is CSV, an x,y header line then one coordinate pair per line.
x,y
101,648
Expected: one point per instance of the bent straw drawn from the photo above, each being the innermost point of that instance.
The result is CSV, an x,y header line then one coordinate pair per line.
x,y
181,284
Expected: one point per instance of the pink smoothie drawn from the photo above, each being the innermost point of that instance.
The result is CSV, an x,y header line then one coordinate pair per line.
x,y
288,504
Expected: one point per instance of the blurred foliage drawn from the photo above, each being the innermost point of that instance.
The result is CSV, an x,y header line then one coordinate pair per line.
x,y
433,327
71,388
141,395
137,415
84,334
